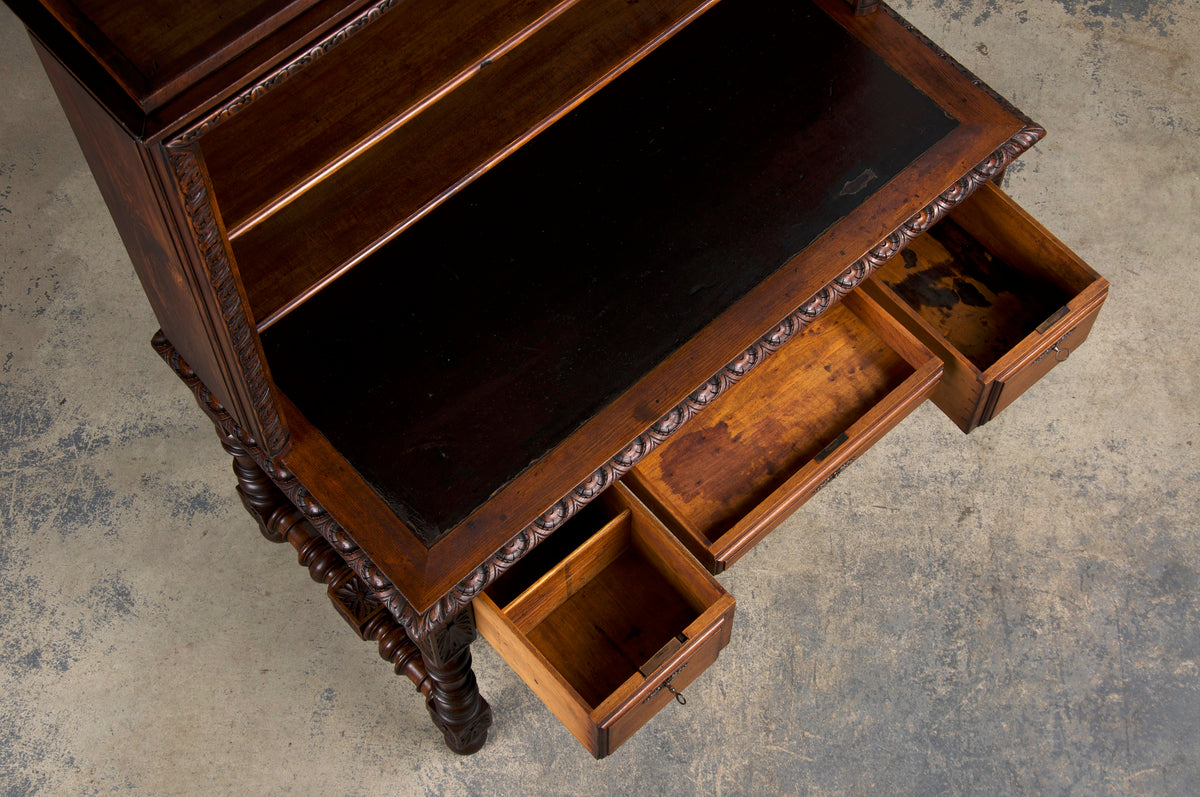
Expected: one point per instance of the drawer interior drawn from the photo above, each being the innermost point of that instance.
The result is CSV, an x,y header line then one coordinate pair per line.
x,y
983,280
603,611
786,427
997,297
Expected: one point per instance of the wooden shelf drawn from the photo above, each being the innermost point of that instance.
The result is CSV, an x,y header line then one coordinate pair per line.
x,y
323,208
277,146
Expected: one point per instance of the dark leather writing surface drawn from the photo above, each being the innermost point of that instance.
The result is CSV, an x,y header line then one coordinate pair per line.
x,y
461,352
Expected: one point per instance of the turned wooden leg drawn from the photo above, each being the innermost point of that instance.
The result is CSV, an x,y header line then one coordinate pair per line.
x,y
448,684
259,494
449,687
454,702
864,7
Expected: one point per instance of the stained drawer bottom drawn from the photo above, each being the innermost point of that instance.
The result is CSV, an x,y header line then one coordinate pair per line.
x,y
772,441
997,297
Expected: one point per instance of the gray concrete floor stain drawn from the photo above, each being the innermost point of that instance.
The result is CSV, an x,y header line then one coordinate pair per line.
x,y
1012,612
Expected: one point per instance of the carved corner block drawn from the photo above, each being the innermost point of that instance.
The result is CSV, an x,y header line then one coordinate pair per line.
x,y
356,603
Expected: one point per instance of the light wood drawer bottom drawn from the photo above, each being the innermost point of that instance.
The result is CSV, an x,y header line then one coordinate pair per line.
x,y
608,620
775,438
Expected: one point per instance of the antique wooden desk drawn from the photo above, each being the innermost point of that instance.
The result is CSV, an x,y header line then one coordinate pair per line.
x,y
456,278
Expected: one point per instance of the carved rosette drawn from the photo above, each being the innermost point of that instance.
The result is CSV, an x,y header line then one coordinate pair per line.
x,y
355,601
419,624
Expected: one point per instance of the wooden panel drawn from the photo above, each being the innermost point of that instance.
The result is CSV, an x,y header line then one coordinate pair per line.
x,y
125,172
618,621
961,391
979,303
780,433
675,564
782,415
533,668
552,459
991,291
1009,234
628,715
355,93
582,566
1056,348
705,172
517,579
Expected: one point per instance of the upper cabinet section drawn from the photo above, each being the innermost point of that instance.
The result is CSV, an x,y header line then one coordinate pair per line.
x,y
147,55
393,68
334,154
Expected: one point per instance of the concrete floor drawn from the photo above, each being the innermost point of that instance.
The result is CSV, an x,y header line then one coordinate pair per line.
x,y
1012,612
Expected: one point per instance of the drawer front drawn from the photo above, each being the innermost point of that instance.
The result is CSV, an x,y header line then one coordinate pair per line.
x,y
665,686
1057,349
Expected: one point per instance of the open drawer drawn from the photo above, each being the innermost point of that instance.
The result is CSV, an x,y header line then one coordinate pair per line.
x,y
775,438
607,620
996,296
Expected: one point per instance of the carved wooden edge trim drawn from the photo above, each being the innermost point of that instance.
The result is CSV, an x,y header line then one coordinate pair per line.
x,y
967,73
281,522
420,624
316,516
284,72
213,248
185,164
